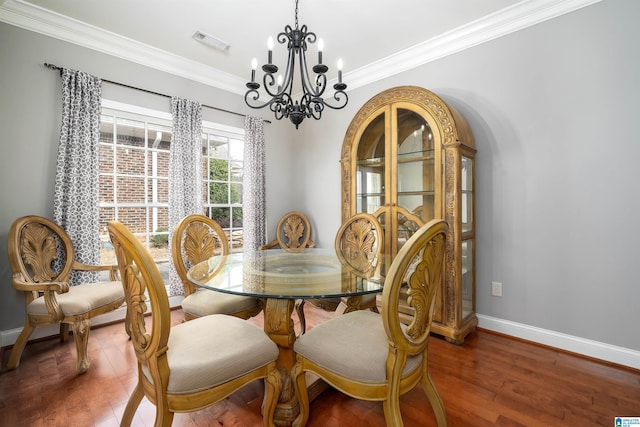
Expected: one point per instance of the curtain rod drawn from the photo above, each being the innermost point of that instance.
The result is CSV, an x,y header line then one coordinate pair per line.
x,y
55,67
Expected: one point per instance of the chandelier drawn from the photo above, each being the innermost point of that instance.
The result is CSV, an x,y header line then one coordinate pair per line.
x,y
311,102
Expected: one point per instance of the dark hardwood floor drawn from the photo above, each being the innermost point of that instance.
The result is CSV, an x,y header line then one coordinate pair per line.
x,y
490,380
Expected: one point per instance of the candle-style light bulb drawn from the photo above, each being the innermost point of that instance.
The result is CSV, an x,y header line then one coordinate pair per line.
x,y
320,49
280,80
340,70
254,65
270,47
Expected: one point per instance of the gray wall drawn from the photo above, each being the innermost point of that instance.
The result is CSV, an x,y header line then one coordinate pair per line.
x,y
553,109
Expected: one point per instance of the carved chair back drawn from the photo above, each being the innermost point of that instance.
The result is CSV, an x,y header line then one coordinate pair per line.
x,y
293,233
359,243
419,266
196,238
140,275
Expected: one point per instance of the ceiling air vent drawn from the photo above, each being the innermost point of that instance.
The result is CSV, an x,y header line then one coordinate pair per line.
x,y
211,41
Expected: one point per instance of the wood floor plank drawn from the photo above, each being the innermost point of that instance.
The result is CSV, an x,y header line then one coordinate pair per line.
x,y
491,380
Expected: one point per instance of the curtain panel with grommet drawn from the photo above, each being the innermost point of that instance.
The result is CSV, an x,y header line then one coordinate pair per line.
x,y
253,184
75,206
185,171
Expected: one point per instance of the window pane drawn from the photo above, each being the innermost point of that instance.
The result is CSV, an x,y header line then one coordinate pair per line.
x,y
218,148
236,193
236,149
159,136
130,161
236,214
134,219
105,192
237,172
130,190
219,193
158,220
222,216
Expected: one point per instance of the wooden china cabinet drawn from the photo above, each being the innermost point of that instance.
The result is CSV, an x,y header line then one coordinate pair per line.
x,y
408,157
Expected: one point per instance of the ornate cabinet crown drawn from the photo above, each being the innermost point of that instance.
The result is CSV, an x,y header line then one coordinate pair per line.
x,y
408,157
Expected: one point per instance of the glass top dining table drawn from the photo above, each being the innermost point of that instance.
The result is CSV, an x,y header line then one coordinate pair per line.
x,y
276,273
279,278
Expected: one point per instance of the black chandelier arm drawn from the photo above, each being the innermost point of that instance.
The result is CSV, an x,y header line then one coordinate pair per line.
x,y
285,36
269,81
307,36
341,98
320,84
252,97
307,85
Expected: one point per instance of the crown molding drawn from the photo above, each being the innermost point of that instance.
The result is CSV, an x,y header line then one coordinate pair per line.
x,y
43,21
506,21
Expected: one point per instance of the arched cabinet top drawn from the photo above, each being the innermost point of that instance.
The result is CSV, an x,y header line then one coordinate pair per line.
x,y
451,125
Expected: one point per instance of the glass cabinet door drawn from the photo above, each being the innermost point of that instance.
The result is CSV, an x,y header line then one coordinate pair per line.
x,y
370,167
415,176
415,160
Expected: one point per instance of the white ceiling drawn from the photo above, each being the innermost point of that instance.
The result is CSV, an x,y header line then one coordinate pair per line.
x,y
374,38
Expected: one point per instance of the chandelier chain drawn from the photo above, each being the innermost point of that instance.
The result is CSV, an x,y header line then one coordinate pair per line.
x,y
296,14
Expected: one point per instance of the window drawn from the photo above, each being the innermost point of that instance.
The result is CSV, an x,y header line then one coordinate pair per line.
x,y
223,157
134,170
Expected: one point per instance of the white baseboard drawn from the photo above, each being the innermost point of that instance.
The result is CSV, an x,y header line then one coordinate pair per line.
x,y
9,337
598,350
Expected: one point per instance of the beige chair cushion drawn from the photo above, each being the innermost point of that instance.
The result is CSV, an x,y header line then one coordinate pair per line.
x,y
211,350
81,299
205,302
354,345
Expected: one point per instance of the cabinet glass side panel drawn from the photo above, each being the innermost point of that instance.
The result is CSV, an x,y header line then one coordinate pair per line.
x,y
415,184
467,194
370,167
467,278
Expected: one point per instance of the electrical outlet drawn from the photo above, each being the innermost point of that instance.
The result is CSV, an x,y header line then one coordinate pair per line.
x,y
496,289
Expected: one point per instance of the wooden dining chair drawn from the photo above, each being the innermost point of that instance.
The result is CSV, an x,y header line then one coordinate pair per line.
x,y
373,356
293,233
194,364
197,238
358,245
42,257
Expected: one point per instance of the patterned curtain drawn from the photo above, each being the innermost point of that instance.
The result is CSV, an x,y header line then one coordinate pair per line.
x,y
75,206
253,196
185,171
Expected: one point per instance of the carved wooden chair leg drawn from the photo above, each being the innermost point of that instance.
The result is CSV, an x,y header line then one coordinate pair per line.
x,y
18,347
300,312
435,400
132,406
164,417
81,338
